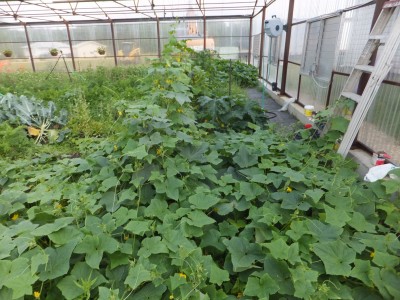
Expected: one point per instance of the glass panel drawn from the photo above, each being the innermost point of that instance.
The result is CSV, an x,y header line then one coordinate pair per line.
x,y
59,65
297,42
8,65
19,50
89,48
83,63
45,33
228,28
307,9
185,29
354,36
90,32
313,92
135,30
12,34
139,47
381,129
292,81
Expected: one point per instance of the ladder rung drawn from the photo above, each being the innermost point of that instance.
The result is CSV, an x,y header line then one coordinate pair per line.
x,y
379,37
391,3
365,68
353,96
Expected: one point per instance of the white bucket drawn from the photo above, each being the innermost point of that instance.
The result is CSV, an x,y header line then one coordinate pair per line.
x,y
308,110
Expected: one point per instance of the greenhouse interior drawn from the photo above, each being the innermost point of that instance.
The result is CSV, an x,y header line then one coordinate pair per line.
x,y
200,149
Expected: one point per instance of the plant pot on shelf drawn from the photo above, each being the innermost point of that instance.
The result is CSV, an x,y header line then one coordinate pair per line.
x,y
53,52
101,50
7,53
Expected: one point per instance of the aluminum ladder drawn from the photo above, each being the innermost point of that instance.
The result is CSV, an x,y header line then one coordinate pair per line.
x,y
390,10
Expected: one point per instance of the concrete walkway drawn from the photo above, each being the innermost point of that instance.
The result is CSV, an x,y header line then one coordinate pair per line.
x,y
282,117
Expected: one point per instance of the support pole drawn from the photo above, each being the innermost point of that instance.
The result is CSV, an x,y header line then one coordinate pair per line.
x,y
250,40
287,47
205,33
113,43
260,63
70,47
158,38
29,48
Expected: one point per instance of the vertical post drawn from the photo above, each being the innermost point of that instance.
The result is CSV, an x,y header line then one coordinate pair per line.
x,y
113,43
205,32
364,77
70,46
230,76
260,63
250,40
298,89
158,38
287,46
29,48
328,97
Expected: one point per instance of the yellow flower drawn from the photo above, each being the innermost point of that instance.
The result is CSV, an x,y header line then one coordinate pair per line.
x,y
178,59
58,206
168,81
159,151
239,295
126,237
289,189
115,147
182,275
15,217
36,294
171,297
119,113
372,254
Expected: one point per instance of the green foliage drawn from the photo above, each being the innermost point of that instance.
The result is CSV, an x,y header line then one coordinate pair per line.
x,y
170,210
14,142
230,112
40,118
220,69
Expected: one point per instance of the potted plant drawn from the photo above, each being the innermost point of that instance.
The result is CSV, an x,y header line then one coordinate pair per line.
x,y
101,50
53,52
7,53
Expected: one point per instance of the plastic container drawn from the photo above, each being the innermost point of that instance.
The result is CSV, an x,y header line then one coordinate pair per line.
x,y
308,110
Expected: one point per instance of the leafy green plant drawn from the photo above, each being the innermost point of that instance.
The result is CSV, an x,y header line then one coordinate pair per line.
x,y
53,51
44,123
171,211
7,53
230,112
14,142
101,50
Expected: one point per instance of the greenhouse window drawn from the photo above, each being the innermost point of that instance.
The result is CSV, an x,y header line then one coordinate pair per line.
x,y
319,53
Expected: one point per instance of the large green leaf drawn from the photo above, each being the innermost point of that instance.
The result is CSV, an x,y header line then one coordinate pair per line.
x,y
243,253
152,245
58,263
137,275
244,158
16,275
304,281
261,287
336,256
94,247
202,200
